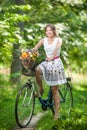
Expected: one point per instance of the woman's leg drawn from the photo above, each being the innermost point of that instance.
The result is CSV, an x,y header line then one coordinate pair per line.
x,y
39,79
56,100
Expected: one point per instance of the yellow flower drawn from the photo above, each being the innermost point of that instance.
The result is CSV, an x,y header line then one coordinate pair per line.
x,y
25,55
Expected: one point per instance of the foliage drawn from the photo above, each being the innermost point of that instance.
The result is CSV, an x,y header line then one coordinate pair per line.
x,y
7,103
68,16
77,120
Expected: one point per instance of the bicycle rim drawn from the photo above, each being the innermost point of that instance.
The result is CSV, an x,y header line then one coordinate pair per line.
x,y
24,106
66,99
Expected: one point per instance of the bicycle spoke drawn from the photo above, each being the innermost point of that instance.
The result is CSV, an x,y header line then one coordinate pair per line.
x,y
66,100
24,106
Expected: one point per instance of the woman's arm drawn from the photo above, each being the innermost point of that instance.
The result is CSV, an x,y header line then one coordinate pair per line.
x,y
57,47
39,44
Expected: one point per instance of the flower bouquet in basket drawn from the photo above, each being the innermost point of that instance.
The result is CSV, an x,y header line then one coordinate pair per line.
x,y
28,58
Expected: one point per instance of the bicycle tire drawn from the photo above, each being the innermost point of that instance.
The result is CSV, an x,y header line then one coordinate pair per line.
x,y
66,99
24,106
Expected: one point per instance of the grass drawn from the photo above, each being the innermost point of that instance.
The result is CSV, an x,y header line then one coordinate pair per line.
x,y
8,94
7,100
76,121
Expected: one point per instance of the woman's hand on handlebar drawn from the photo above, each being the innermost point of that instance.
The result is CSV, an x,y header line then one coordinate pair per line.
x,y
34,49
49,59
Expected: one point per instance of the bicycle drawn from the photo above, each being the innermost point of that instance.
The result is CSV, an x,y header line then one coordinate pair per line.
x,y
25,101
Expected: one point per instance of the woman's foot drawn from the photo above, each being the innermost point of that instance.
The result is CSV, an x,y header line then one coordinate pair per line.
x,y
55,117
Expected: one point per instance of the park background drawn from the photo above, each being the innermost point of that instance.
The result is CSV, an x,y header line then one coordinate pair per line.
x,y
22,25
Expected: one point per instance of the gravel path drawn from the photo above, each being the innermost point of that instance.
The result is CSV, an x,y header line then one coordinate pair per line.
x,y
32,124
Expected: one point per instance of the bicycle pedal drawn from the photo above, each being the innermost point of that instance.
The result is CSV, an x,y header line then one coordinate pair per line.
x,y
44,108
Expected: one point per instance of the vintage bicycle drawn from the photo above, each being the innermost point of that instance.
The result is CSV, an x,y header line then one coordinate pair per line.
x,y
25,100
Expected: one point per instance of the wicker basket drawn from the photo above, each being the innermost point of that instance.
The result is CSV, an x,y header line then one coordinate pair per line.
x,y
27,67
28,72
28,63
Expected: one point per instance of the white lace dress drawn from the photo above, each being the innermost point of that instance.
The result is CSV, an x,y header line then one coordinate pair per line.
x,y
53,71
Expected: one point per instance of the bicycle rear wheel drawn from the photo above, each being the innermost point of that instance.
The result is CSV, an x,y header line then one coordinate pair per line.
x,y
24,106
66,99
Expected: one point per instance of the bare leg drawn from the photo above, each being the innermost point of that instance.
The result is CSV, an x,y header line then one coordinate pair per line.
x,y
56,100
38,79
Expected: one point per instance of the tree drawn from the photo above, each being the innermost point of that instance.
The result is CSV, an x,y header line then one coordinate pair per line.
x,y
69,18
16,64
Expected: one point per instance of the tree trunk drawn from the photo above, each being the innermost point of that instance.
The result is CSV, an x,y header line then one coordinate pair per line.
x,y
16,64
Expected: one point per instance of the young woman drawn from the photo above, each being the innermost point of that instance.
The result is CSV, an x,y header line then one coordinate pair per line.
x,y
52,68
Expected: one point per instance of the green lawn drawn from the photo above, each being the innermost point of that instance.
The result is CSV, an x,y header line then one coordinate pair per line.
x,y
76,121
7,104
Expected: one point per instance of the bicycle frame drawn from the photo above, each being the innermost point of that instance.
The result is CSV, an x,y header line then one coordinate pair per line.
x,y
25,101
47,102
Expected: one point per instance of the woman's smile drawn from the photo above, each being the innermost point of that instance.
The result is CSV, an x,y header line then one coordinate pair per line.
x,y
49,32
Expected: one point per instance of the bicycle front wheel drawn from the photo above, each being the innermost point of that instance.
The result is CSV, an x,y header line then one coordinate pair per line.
x,y
66,99
24,106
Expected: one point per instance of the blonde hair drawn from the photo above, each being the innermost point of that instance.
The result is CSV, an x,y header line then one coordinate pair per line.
x,y
53,29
